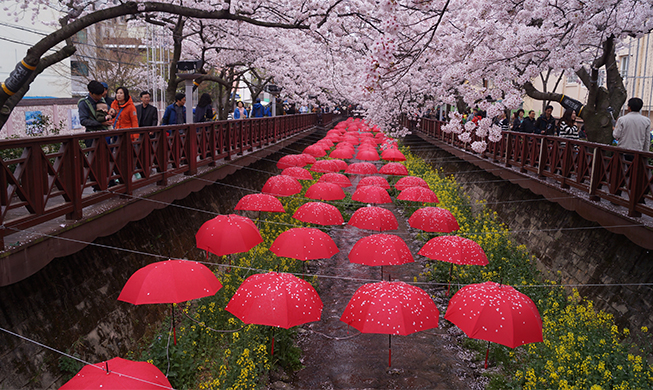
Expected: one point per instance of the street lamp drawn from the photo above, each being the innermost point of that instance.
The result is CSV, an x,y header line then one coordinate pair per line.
x,y
273,90
187,71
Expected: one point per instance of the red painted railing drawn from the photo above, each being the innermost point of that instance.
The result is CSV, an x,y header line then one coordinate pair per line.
x,y
621,176
43,178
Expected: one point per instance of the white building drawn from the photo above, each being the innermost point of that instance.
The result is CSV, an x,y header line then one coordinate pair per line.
x,y
18,36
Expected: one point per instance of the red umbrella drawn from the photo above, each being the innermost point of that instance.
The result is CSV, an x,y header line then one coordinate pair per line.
x,y
319,213
227,234
380,250
341,164
304,244
495,313
118,373
308,159
315,151
276,299
454,250
260,202
325,166
371,194
392,155
377,181
391,308
170,281
367,155
342,153
291,160
394,169
374,218
362,169
298,173
433,220
335,178
282,185
325,191
410,181
418,194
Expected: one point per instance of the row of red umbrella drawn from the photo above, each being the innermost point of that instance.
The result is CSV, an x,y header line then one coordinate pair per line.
x,y
485,311
372,190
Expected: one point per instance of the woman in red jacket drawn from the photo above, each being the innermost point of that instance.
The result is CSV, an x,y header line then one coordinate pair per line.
x,y
125,111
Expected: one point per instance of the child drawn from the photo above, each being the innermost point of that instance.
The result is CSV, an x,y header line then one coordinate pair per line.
x,y
102,112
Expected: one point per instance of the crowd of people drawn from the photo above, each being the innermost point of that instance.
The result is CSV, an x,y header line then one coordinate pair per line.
x,y
545,124
97,111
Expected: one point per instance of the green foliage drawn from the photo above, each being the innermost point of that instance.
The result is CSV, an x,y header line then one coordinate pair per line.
x,y
582,348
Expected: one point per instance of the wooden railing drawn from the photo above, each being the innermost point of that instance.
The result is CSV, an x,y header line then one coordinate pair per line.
x,y
621,176
43,178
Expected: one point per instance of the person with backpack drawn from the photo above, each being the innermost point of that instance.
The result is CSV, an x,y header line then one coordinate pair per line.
x,y
175,114
87,107
258,111
203,111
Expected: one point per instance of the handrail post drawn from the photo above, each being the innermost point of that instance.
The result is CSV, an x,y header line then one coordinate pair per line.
x,y
34,170
227,138
635,186
127,161
73,178
162,156
191,149
540,164
594,181
212,144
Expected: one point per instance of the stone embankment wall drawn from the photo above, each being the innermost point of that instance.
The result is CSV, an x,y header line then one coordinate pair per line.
x,y
71,304
582,251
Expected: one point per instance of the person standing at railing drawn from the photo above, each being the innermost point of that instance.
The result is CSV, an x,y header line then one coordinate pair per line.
x,y
87,108
528,124
546,123
175,114
568,128
240,111
258,110
203,111
125,111
517,119
632,130
147,114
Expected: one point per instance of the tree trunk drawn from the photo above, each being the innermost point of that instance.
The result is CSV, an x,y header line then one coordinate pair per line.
x,y
595,114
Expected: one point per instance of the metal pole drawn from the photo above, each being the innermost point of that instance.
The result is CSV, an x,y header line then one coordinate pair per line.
x,y
273,110
189,100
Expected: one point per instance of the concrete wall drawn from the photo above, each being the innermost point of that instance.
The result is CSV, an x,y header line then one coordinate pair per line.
x,y
71,304
588,255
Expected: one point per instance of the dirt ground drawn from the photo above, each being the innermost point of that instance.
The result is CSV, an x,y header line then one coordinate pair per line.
x,y
336,357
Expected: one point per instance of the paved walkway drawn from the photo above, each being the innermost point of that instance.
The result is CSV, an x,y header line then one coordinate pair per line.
x,y
348,359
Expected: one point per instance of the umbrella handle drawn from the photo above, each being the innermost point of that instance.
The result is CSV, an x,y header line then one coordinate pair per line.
x,y
174,329
389,350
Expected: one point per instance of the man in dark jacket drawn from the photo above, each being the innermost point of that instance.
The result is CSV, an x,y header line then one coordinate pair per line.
x,y
175,114
147,114
546,123
88,105
528,124
257,109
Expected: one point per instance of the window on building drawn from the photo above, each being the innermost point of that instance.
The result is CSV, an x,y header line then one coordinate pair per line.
x,y
82,37
601,80
78,68
623,66
572,78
